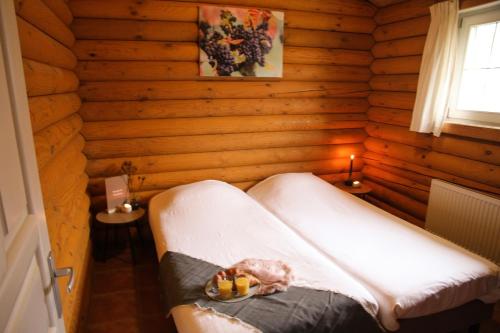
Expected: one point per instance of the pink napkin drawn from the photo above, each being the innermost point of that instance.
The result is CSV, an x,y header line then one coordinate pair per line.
x,y
274,275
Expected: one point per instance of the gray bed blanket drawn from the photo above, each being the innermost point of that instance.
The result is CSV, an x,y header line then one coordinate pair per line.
x,y
183,280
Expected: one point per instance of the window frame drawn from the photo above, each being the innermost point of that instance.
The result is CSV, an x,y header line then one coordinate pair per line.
x,y
470,117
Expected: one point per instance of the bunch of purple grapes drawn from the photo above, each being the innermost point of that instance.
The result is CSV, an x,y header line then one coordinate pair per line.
x,y
253,43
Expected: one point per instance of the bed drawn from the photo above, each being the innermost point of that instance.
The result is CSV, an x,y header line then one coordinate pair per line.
x,y
218,223
410,272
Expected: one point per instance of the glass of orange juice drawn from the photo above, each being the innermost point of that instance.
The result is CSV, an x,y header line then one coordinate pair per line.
x,y
225,288
242,285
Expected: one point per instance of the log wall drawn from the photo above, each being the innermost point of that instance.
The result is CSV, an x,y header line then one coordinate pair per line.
x,y
143,100
52,87
400,164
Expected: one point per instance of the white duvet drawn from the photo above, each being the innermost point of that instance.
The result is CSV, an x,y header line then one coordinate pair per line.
x,y
410,272
219,223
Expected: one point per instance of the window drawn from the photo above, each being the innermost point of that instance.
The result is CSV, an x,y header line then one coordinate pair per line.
x,y
475,95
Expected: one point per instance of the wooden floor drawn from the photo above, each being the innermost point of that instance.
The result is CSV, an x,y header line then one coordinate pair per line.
x,y
126,298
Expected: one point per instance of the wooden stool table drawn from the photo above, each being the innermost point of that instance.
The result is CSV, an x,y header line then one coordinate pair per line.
x,y
119,219
360,191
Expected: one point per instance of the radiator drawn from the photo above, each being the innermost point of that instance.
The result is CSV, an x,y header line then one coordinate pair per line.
x,y
465,217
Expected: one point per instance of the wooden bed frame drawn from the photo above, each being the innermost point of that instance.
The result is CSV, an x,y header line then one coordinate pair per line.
x,y
468,316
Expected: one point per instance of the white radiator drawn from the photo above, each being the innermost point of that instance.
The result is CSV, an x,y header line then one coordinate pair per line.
x,y
465,217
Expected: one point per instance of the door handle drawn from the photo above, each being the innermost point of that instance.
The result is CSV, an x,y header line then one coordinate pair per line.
x,y
57,273
66,271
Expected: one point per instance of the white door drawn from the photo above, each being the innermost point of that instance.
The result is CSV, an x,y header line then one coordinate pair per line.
x,y
28,296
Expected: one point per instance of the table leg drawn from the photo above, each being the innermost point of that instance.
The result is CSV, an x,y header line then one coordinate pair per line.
x,y
106,239
139,232
132,247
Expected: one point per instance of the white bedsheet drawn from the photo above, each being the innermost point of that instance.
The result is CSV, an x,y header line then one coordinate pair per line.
x,y
221,224
410,271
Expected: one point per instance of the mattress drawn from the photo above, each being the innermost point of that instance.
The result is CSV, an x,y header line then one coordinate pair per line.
x,y
218,223
410,272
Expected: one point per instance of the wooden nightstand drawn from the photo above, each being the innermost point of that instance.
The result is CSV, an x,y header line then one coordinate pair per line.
x,y
117,220
358,191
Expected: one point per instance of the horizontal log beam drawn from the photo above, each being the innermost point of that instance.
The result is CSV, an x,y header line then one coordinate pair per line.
x,y
482,133
410,175
47,110
69,162
61,9
182,70
99,201
403,29
177,12
42,79
195,161
475,150
219,142
163,51
478,171
324,56
430,172
135,30
389,116
399,47
403,11
394,82
154,90
51,140
96,29
36,45
395,100
399,65
219,125
327,39
41,16
134,50
394,211
351,7
130,110
232,175
374,171
399,134
328,22
397,200
397,183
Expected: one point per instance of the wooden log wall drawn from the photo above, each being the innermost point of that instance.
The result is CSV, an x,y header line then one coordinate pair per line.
x,y
52,87
144,102
400,164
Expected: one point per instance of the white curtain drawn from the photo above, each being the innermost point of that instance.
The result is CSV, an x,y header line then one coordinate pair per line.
x,y
436,70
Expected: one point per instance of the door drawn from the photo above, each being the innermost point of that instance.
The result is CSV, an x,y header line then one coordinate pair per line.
x,y
28,295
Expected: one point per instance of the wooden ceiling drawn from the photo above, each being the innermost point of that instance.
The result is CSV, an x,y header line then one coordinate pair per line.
x,y
383,3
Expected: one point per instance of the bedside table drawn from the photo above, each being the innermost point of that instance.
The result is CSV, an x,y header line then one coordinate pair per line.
x,y
117,220
361,191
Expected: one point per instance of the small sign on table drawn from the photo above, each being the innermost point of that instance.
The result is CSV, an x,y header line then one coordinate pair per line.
x,y
116,191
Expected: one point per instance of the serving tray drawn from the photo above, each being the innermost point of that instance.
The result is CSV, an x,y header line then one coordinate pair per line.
x,y
212,292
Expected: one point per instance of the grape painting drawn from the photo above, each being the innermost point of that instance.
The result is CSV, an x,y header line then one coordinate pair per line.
x,y
240,42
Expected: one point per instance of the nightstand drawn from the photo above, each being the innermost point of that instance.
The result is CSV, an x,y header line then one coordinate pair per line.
x,y
361,191
117,220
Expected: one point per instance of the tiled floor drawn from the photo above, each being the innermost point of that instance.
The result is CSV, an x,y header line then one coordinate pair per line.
x,y
125,298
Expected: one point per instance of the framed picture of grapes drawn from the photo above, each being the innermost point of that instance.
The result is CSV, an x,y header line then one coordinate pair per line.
x,y
240,42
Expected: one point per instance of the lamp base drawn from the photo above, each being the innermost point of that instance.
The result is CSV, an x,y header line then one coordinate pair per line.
x,y
348,182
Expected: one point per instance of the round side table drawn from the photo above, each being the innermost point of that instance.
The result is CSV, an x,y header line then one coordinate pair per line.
x,y
117,220
360,191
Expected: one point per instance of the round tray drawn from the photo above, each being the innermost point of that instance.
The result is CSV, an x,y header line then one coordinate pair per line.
x,y
213,293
